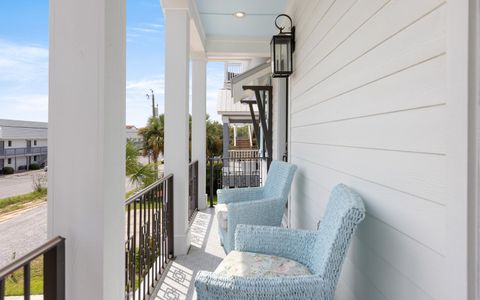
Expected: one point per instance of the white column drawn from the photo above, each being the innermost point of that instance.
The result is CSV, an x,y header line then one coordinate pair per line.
x,y
199,129
235,135
279,118
226,136
86,143
177,59
250,135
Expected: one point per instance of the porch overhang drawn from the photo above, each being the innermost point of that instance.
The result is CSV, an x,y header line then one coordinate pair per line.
x,y
215,30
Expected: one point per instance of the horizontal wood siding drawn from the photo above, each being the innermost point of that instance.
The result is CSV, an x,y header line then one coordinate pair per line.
x,y
368,109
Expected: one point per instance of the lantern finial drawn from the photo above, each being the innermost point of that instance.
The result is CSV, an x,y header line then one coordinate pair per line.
x,y
280,27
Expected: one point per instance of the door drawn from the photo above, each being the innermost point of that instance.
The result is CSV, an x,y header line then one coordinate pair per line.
x,y
29,146
2,164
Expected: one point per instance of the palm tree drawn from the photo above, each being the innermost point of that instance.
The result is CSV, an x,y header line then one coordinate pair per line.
x,y
131,158
140,175
153,137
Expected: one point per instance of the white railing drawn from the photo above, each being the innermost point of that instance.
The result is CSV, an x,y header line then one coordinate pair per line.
x,y
232,70
236,154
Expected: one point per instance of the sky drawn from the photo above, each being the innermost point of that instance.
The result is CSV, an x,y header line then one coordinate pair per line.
x,y
24,61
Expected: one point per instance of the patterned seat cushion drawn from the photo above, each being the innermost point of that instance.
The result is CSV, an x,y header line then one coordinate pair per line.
x,y
222,216
248,264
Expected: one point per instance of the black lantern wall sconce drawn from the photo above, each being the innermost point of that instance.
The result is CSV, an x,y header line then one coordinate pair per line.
x,y
282,47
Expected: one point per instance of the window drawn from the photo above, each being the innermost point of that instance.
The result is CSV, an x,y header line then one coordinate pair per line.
x,y
9,143
34,142
35,158
9,161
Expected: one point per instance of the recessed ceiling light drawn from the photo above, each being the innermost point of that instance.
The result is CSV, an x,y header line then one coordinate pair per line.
x,y
239,14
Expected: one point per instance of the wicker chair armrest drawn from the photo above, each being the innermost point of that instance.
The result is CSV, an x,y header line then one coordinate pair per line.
x,y
239,195
266,212
290,243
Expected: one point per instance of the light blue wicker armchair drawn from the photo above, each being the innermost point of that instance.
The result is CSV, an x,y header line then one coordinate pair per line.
x,y
254,206
280,263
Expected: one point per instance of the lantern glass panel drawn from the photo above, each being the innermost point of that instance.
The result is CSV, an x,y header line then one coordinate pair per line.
x,y
281,48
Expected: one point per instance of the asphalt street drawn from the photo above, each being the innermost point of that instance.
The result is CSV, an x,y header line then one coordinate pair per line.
x,y
27,229
23,233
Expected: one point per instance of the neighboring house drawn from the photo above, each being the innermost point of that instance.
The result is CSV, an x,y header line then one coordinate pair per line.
x,y
132,135
22,143
235,114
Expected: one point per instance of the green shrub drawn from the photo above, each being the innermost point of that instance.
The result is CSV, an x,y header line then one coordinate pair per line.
x,y
34,166
8,170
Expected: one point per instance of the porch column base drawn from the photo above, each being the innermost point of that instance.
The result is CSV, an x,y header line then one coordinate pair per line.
x,y
181,243
202,201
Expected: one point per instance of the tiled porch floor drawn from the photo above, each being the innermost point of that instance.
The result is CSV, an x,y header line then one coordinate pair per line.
x,y
205,253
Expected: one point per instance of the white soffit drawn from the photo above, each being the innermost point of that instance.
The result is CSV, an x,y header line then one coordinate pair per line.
x,y
229,36
259,75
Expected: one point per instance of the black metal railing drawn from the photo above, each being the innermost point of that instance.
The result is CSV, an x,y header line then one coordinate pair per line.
x,y
149,237
192,189
53,253
235,173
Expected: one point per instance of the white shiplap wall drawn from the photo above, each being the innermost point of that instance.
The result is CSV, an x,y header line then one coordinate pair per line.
x,y
368,108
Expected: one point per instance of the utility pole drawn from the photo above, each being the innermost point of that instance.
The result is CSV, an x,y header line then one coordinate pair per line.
x,y
153,102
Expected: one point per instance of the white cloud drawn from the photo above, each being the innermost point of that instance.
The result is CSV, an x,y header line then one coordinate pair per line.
x,y
23,81
143,29
24,84
155,83
138,106
32,107
22,63
155,25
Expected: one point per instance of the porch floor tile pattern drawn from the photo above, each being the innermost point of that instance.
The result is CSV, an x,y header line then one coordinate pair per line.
x,y
205,253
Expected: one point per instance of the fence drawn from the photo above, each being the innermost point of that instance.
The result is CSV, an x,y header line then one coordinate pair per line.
x,y
53,253
149,237
192,189
235,173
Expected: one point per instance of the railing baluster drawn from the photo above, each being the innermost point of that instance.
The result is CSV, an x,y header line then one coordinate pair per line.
x,y
164,220
54,273
2,289
148,242
132,272
128,262
140,239
26,281
170,218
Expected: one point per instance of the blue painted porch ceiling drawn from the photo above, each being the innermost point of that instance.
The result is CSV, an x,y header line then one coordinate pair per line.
x,y
218,20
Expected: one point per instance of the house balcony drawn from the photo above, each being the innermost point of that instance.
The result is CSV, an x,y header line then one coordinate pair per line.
x,y
23,151
383,98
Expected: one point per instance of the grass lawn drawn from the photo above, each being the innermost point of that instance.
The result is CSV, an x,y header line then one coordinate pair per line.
x,y
13,203
14,282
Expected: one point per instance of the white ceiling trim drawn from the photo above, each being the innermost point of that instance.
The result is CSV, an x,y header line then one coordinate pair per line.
x,y
195,15
218,49
197,32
